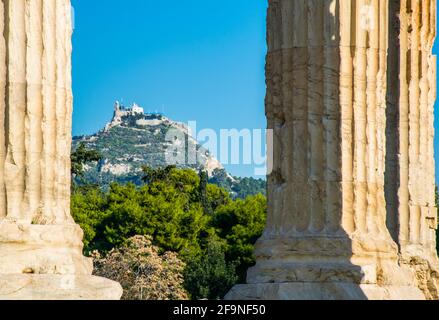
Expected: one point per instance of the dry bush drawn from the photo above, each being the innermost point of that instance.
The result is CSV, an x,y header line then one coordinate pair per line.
x,y
143,272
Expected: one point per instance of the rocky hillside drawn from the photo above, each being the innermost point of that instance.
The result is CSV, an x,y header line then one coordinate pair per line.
x,y
133,139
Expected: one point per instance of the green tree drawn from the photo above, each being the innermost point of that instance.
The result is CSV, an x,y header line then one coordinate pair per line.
x,y
202,189
88,209
209,276
151,175
238,187
166,210
248,186
171,207
241,223
217,196
81,156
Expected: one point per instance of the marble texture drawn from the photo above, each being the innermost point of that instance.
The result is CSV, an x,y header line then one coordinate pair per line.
x,y
351,212
40,245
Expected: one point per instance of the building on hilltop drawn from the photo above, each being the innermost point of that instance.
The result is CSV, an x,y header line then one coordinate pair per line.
x,y
126,111
136,109
121,111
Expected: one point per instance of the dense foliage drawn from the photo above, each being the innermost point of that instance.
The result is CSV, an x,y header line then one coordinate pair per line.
x,y
241,223
182,213
210,276
238,187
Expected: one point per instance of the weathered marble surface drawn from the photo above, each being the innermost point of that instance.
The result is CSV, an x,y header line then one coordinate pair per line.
x,y
57,287
412,212
351,198
40,245
322,291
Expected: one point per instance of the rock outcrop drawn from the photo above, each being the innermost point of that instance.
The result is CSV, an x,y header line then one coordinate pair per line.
x,y
134,139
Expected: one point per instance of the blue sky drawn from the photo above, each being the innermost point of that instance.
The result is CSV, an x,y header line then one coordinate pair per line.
x,y
198,60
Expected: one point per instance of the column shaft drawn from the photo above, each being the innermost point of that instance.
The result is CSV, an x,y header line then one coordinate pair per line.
x,y
40,245
326,234
3,79
326,105
417,217
303,111
36,111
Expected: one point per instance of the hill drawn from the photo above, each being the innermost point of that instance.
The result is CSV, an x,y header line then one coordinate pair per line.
x,y
133,139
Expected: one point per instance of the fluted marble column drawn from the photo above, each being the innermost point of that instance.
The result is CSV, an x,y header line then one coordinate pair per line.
x,y
326,235
412,209
40,245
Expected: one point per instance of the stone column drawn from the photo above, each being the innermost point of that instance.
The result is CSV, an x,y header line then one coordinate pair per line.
x,y
326,235
412,209
40,245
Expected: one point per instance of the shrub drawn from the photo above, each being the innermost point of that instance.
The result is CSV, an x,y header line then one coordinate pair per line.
x,y
143,273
